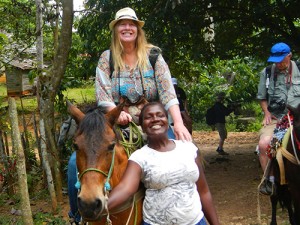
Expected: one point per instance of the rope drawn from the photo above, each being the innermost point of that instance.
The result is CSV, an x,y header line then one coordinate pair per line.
x,y
292,138
91,169
129,145
107,186
265,174
108,221
130,214
258,209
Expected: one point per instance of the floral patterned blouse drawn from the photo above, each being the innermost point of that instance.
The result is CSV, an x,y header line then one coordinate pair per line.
x,y
130,83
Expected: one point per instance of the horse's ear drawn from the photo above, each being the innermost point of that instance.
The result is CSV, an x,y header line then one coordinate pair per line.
x,y
113,114
76,113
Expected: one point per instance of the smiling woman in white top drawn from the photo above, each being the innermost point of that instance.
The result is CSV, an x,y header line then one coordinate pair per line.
x,y
171,171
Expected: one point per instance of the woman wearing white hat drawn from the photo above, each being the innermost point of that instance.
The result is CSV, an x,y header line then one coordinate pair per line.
x,y
126,71
133,75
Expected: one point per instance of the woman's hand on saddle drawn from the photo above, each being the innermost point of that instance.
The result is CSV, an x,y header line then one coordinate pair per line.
x,y
181,132
124,118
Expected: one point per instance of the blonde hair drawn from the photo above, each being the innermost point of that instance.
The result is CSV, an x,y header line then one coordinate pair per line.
x,y
142,49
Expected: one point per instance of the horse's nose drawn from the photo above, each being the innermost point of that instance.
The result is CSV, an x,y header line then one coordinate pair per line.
x,y
90,209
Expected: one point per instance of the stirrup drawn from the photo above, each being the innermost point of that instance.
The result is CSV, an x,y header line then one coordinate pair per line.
x,y
266,187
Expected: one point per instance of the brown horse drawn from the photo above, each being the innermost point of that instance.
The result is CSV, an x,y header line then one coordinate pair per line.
x,y
292,163
287,170
101,161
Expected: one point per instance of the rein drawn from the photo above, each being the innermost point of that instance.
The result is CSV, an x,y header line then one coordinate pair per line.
x,y
293,143
134,133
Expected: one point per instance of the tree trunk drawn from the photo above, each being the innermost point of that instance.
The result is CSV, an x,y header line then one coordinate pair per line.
x,y
47,168
6,143
21,167
39,47
48,84
25,139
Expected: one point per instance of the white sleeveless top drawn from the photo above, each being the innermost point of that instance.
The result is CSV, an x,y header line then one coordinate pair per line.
x,y
169,177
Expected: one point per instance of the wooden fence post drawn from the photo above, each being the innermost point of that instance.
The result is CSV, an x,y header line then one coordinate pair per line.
x,y
21,167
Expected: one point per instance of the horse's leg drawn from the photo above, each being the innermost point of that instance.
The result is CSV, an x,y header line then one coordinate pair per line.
x,y
295,194
287,201
274,201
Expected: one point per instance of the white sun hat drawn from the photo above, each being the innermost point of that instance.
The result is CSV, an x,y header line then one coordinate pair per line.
x,y
125,13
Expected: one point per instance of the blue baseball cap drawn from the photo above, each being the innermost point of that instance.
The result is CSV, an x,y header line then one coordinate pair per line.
x,y
278,52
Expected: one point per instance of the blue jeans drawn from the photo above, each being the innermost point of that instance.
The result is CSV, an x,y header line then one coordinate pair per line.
x,y
72,190
72,179
201,222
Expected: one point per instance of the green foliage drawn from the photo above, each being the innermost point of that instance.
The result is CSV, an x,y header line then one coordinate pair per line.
x,y
252,109
179,28
3,41
209,80
249,110
41,218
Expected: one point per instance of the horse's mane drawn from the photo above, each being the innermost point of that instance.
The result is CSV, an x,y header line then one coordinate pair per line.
x,y
93,125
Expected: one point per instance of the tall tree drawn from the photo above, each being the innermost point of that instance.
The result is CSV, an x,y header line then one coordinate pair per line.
x,y
49,82
21,167
40,65
242,28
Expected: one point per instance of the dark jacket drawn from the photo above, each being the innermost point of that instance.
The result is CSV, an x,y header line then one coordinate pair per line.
x,y
221,111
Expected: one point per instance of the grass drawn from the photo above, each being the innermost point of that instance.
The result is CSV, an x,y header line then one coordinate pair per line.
x,y
77,95
81,95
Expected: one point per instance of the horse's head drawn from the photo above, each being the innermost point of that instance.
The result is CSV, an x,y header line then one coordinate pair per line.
x,y
99,163
66,131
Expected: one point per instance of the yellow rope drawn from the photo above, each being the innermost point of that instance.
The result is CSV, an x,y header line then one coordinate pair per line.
x,y
131,145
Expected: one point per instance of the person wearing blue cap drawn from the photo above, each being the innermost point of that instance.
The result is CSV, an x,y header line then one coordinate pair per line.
x,y
279,85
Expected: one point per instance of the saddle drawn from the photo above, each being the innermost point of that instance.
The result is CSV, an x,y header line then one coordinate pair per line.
x,y
134,109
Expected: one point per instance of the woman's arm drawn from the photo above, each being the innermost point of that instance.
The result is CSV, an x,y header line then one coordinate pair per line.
x,y
181,133
128,185
205,195
103,84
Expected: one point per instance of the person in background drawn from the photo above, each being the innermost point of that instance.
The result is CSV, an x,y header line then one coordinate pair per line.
x,y
221,111
171,171
132,77
274,93
183,106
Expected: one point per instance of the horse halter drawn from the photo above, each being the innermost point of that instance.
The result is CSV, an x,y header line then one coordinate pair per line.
x,y
107,186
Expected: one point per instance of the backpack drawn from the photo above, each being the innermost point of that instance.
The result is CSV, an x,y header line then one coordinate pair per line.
x,y
210,116
154,52
268,73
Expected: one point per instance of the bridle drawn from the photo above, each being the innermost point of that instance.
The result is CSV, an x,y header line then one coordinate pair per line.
x,y
68,122
128,147
107,186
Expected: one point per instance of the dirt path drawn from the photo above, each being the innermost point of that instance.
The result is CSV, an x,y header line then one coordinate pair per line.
x,y
233,181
